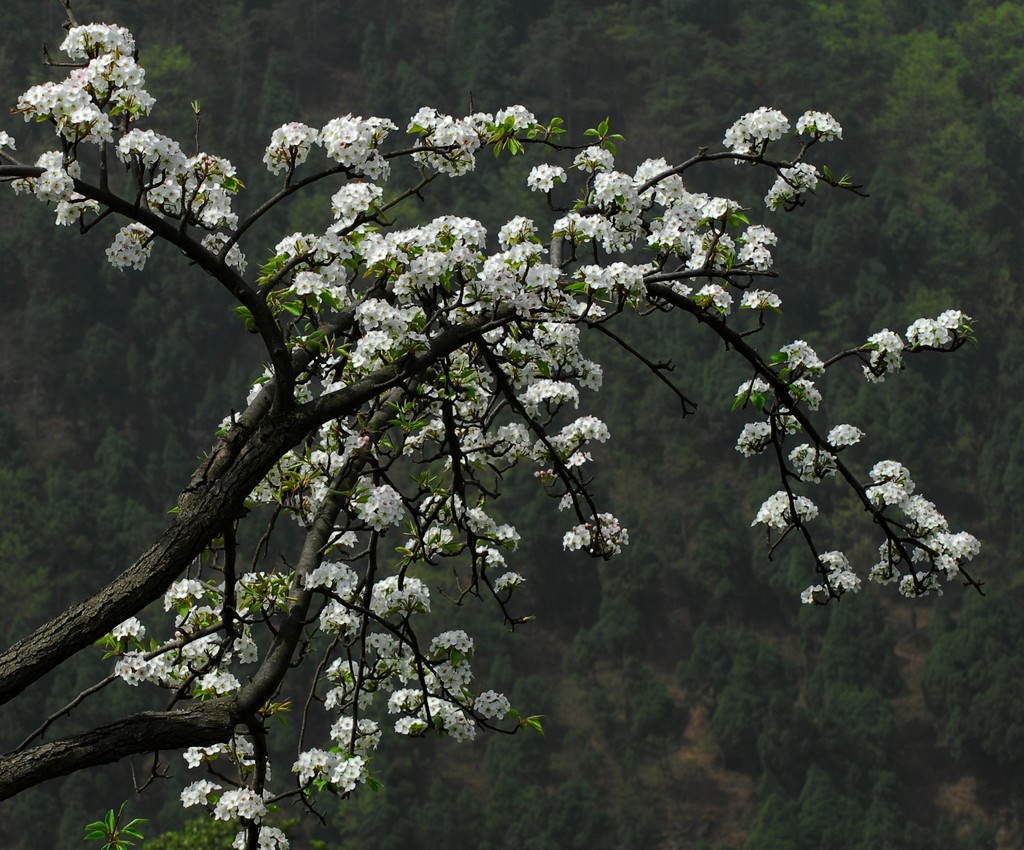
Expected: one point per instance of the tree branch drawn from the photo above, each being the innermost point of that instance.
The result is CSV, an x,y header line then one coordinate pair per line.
x,y
197,725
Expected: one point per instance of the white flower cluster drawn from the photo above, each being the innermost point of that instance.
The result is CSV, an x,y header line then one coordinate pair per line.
x,y
198,187
777,512
342,771
550,392
90,40
840,576
516,231
80,108
543,177
217,682
239,750
289,146
131,247
754,438
353,199
446,642
935,333
804,391
365,739
931,539
392,596
518,116
270,838
507,582
240,803
892,484
214,242
594,158
131,629
55,185
844,435
491,705
378,506
184,593
7,141
152,149
811,464
800,357
751,132
601,536
337,577
821,125
754,250
198,793
616,192
791,182
601,281
886,355
353,142
755,386
449,144
714,296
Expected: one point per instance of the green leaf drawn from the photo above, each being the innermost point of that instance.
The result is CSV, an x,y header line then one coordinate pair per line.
x,y
534,723
131,828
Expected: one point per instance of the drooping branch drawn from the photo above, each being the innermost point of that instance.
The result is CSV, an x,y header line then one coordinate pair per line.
x,y
169,231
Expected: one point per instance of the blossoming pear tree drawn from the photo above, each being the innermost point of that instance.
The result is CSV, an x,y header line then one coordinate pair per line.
x,y
409,370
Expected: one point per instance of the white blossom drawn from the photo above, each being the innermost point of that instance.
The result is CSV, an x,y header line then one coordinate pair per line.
x,y
543,177
776,511
197,793
240,803
844,435
885,357
754,438
819,124
379,506
750,132
131,247
289,146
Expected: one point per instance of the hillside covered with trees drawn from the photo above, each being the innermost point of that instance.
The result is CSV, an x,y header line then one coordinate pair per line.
x,y
689,699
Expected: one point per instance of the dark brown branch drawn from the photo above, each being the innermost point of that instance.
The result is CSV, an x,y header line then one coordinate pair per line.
x,y
200,724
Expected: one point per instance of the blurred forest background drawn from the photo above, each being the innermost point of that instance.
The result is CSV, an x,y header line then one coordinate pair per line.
x,y
690,701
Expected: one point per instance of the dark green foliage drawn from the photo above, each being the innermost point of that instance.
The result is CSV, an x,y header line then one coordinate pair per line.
x,y
854,733
973,681
757,675
787,742
196,834
857,651
775,827
826,819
